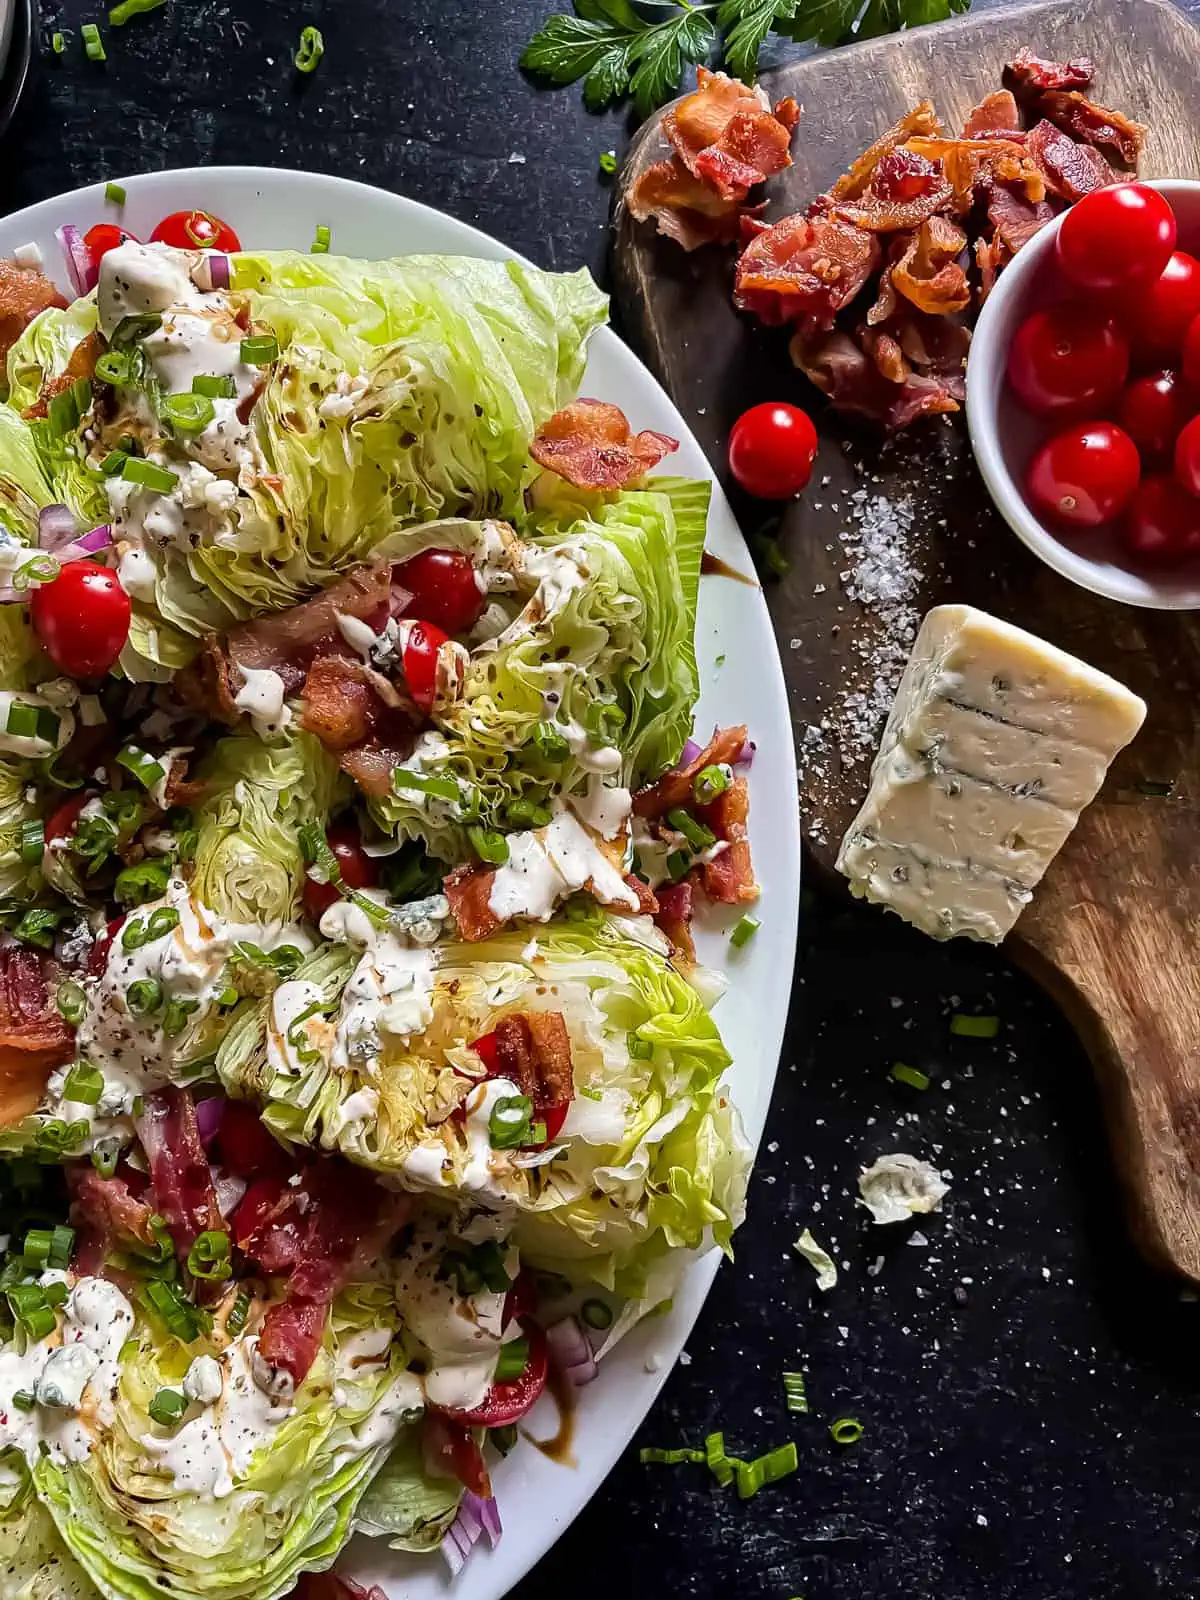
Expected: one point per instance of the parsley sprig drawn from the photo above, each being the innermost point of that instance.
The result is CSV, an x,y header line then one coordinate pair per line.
x,y
640,48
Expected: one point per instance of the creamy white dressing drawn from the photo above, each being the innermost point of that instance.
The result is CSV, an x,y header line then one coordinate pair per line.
x,y
390,992
547,864
289,1003
168,761
461,1333
31,744
605,810
138,573
262,697
484,1164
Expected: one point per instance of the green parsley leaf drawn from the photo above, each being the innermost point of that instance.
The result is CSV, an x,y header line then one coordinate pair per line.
x,y
747,26
664,50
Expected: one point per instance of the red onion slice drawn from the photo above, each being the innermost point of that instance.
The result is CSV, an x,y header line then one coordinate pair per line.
x,y
745,757
567,1343
56,528
81,269
583,1372
210,1113
218,269
486,1513
689,753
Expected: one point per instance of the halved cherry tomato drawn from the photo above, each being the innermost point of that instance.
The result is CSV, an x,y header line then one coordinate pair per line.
x,y
1153,411
1086,475
60,824
1163,525
1117,238
255,1206
772,448
485,1048
98,954
443,588
245,1146
1187,457
422,642
359,870
507,1402
105,236
1162,311
196,230
449,1446
82,618
553,1117
1068,362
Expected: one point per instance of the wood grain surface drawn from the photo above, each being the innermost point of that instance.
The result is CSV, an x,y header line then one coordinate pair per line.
x,y
1114,929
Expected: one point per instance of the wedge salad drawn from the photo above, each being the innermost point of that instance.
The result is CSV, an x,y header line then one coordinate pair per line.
x,y
358,1081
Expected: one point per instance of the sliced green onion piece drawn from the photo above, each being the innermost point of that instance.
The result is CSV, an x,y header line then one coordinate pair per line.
x,y
58,43
679,864
144,996
513,1359
770,1468
846,1430
132,8
608,162
436,788
912,1076
84,1084
488,845
602,719
114,191
175,1017
92,43
187,413
696,834
320,244
144,767
116,367
137,470
113,462
239,1314
36,1248
549,743
974,1027
105,1155
62,1242
209,1257
794,1391
509,1126
744,931
146,880
41,1322
260,350
167,1406
718,1463
670,1458
311,49
639,1049
38,927
222,388
56,1292
24,1399
596,1314
71,1001
708,783
30,721
31,846
127,331
62,414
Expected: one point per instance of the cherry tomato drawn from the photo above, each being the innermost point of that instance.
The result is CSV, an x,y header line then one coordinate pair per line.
x,y
1117,238
1163,311
196,230
1152,411
255,1206
553,1117
60,824
359,870
98,954
105,236
448,1444
771,450
1187,457
245,1146
420,658
1068,362
444,590
507,1402
1085,475
1191,352
1163,524
485,1048
82,618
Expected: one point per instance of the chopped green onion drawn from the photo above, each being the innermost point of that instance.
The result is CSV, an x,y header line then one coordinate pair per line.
x,y
696,834
209,1256
82,391
436,788
679,864
770,1468
238,1315
147,880
187,413
846,1430
320,244
589,1093
602,719
105,1155
31,845
639,1049
71,1001
92,43
58,43
41,1322
912,1076
670,1458
84,1084
974,1027
794,1392
549,743
488,845
38,927
144,767
608,162
768,552
718,1463
116,367
310,51
143,997
62,1242
114,191
744,930
36,1248
222,388
135,934
39,569
62,413
260,350
33,722
175,1017
137,470
509,1125
132,8
708,783
24,1399
503,1438
167,1406
127,331
596,1314
513,1359
284,960
719,662
56,1292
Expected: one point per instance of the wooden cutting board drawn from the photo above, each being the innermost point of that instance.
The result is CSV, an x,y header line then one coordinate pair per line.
x,y
1114,929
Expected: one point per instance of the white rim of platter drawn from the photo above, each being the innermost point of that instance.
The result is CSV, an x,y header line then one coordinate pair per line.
x,y
741,681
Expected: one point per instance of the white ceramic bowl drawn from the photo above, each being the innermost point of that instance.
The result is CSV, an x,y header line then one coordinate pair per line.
x,y
1004,436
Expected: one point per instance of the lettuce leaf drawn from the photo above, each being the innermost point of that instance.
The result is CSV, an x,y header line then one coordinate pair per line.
x,y
404,1505
34,1562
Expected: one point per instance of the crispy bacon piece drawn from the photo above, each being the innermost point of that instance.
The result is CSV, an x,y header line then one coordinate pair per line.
x,y
967,163
180,1175
921,120
676,905
804,270
683,207
1071,170
372,763
1028,74
995,113
929,274
589,443
337,702
1094,124
853,381
468,890
675,788
347,1219
82,364
288,641
25,293
905,189
533,1050
729,876
647,900
34,1036
105,1212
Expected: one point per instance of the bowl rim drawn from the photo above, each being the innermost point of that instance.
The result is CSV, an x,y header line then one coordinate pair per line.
x,y
1121,584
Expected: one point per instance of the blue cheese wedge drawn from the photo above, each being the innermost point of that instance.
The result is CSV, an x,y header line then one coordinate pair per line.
x,y
995,743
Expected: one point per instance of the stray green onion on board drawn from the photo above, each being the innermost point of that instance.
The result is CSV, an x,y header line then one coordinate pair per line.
x,y
964,1027
912,1076
311,49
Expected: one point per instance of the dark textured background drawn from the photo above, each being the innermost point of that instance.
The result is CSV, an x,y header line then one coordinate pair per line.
x,y
1030,1393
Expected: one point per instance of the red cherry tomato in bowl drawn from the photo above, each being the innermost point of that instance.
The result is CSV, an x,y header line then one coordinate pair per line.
x,y
358,869
1163,524
105,236
1068,362
772,448
60,824
1085,475
1191,352
1153,410
1116,238
1162,311
419,659
507,1402
1187,457
444,590
82,618
196,230
245,1146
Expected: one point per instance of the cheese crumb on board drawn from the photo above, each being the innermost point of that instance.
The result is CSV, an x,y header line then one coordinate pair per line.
x,y
995,744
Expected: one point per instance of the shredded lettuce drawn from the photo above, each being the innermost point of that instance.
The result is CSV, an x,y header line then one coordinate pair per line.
x,y
404,1505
